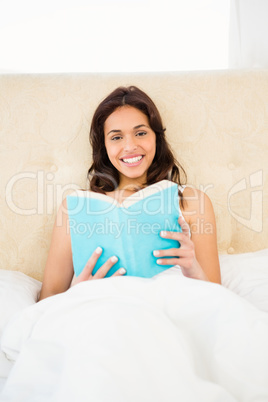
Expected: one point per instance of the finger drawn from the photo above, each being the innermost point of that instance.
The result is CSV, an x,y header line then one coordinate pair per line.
x,y
184,263
173,252
87,271
184,226
179,253
168,261
120,272
105,268
166,253
182,238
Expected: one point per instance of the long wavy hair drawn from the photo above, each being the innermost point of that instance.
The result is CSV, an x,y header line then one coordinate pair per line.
x,y
103,176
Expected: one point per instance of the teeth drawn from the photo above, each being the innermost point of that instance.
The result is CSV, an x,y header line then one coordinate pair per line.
x,y
133,160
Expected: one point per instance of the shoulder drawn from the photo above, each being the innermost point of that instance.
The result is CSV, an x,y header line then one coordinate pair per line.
x,y
69,205
196,205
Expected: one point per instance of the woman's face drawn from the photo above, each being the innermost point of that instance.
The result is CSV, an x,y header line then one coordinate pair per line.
x,y
130,144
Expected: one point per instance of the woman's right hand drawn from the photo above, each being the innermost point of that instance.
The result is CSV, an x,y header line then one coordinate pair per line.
x,y
86,274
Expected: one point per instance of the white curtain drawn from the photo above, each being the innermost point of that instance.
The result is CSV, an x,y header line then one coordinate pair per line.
x,y
248,35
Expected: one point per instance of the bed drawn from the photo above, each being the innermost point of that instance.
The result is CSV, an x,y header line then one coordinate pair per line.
x,y
167,338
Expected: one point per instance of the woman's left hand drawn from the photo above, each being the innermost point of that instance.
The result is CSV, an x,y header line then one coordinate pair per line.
x,y
184,256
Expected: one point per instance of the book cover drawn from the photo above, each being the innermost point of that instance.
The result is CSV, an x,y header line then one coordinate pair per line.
x,y
130,230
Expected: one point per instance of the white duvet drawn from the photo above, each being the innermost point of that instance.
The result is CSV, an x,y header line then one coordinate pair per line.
x,y
126,339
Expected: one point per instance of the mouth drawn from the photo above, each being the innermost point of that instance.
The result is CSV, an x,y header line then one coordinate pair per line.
x,y
133,161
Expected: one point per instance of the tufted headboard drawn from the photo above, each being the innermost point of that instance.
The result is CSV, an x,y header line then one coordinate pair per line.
x,y
217,125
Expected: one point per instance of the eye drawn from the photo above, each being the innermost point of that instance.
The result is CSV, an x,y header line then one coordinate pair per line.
x,y
141,133
116,137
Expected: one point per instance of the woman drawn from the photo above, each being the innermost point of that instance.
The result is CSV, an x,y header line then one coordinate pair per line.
x,y
130,152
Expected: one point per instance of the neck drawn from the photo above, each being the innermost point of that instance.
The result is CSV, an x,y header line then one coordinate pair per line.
x,y
128,184
130,187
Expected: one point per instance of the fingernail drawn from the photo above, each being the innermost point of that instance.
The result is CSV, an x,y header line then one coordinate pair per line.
x,y
122,271
156,253
159,261
98,250
114,258
163,233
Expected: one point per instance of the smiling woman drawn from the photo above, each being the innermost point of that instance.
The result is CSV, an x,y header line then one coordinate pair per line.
x,y
130,153
133,148
127,124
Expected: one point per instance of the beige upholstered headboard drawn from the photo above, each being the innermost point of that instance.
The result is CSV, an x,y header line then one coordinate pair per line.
x,y
217,124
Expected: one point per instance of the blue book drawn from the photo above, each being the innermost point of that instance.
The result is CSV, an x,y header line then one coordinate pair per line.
x,y
130,230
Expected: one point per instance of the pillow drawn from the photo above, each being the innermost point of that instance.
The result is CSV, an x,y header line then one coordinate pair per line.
x,y
247,275
17,291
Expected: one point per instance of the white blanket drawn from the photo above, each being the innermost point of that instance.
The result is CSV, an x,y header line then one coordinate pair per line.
x,y
126,339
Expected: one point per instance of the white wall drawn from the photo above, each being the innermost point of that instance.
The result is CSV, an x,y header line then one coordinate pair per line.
x,y
113,35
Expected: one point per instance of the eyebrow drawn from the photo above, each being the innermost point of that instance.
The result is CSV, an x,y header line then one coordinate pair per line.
x,y
134,128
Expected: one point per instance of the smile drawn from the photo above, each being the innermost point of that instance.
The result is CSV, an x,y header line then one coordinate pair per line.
x,y
133,160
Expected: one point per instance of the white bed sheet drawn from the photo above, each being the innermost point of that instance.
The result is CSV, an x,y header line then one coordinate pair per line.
x,y
17,291
168,338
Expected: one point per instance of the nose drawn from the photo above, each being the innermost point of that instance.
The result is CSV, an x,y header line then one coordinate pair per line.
x,y
130,144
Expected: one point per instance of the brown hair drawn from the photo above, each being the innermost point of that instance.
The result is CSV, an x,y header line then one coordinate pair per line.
x,y
104,176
